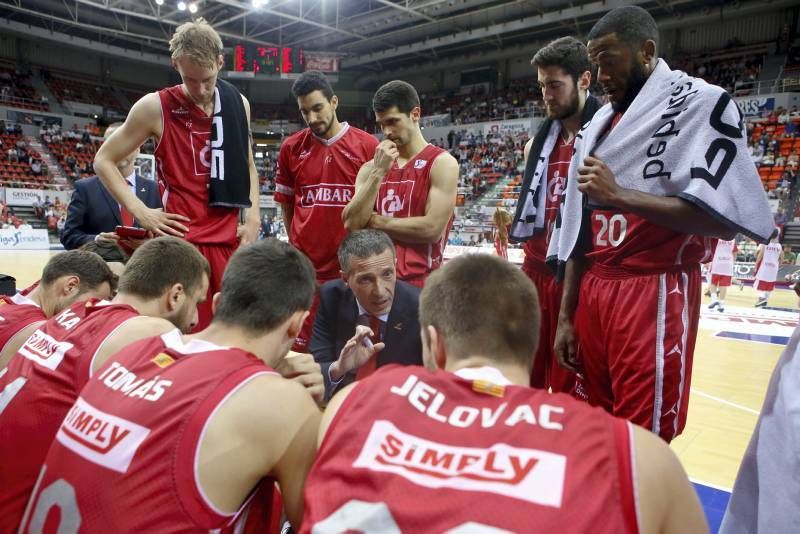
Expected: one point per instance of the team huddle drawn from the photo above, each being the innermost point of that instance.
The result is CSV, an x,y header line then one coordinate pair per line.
x,y
179,397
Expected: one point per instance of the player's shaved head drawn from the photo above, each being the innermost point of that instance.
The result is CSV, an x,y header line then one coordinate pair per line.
x,y
483,305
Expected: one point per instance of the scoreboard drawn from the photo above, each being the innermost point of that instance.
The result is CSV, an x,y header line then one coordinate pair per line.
x,y
266,59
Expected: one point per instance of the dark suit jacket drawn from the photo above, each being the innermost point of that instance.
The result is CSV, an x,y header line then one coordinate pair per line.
x,y
336,323
93,210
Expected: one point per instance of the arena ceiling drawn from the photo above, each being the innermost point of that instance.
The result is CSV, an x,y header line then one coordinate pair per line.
x,y
374,35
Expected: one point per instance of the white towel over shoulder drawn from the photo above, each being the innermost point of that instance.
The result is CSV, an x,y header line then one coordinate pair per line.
x,y
680,137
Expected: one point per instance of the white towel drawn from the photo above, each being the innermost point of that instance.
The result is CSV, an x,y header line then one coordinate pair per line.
x,y
680,137
532,214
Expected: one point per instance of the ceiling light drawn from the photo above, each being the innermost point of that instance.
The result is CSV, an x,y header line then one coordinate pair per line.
x,y
160,2
193,7
259,3
182,6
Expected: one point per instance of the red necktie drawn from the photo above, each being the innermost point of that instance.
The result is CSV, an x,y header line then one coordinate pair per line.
x,y
125,216
370,365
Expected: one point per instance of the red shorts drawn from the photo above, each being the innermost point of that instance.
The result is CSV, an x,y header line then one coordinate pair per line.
x,y
546,372
720,280
761,285
636,341
217,256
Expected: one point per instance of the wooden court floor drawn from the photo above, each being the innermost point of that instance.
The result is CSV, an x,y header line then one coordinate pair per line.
x,y
729,378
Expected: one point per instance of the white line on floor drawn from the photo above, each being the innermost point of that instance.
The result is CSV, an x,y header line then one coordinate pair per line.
x,y
723,401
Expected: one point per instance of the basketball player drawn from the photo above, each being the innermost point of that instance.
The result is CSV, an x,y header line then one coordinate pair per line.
x,y
49,370
466,446
210,425
564,75
180,119
408,190
768,259
722,273
317,169
67,277
640,296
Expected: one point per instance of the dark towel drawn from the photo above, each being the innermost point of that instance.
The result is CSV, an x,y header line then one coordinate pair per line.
x,y
522,226
229,186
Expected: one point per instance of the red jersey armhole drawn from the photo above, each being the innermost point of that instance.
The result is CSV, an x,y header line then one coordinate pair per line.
x,y
162,99
629,499
186,485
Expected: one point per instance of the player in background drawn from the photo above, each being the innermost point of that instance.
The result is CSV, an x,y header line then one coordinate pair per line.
x,y
768,260
210,425
408,189
316,178
66,278
466,445
722,266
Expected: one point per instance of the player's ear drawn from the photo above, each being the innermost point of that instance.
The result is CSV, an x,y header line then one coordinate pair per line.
x,y
69,285
215,302
175,296
334,102
295,323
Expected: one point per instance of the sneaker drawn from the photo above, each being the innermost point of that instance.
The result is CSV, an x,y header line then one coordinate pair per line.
x,y
762,303
721,309
713,305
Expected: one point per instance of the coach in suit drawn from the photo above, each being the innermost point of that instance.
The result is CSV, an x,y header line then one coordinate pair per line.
x,y
368,318
93,214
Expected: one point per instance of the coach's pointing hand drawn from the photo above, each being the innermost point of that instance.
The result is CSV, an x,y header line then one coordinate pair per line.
x,y
355,353
596,180
161,223
385,154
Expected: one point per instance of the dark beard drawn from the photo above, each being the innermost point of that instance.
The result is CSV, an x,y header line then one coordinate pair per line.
x,y
636,81
328,126
571,110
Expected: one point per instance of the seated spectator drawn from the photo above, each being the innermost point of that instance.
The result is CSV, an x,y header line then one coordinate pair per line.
x,y
769,160
773,145
9,223
780,160
783,116
793,160
772,118
13,156
24,225
36,168
758,153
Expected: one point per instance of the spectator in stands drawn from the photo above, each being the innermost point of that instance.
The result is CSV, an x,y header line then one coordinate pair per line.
x,y
13,157
773,145
9,223
789,257
783,116
758,154
36,168
772,117
780,160
79,147
793,160
769,160
24,225
472,241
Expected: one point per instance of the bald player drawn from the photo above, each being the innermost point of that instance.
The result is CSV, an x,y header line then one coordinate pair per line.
x,y
45,376
181,119
177,432
408,190
66,278
465,445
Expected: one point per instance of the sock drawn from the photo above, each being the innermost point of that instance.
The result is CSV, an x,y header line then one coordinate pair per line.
x,y
721,303
763,295
714,297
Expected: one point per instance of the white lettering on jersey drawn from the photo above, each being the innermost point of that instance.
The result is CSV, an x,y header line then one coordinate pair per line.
x,y
527,474
331,195
68,319
429,401
120,379
99,437
45,350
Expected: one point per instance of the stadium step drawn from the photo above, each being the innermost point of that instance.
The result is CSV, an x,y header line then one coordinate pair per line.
x,y
56,172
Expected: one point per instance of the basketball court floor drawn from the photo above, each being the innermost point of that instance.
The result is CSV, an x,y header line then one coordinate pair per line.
x,y
736,352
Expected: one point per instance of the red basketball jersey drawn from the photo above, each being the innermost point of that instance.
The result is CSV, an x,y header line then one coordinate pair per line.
x,y
183,158
404,193
415,451
318,176
767,268
42,381
127,451
557,168
16,313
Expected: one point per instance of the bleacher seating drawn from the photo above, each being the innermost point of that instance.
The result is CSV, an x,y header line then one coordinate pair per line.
x,y
69,87
19,173
16,90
